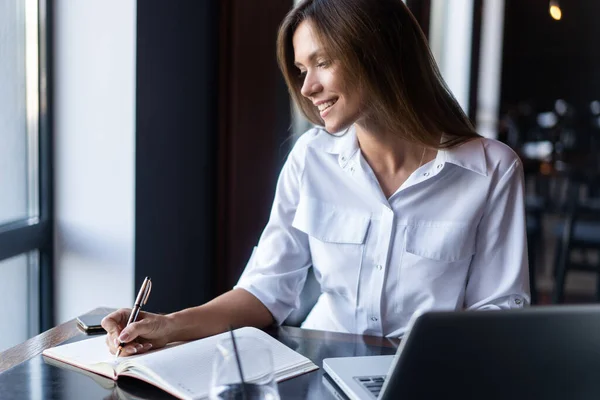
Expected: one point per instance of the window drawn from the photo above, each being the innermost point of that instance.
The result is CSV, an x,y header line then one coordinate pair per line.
x,y
25,172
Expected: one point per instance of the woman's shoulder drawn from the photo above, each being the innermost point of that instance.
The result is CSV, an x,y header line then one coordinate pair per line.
x,y
497,149
301,143
500,154
489,157
500,158
309,136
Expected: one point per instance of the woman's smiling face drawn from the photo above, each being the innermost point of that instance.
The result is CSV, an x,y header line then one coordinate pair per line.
x,y
338,101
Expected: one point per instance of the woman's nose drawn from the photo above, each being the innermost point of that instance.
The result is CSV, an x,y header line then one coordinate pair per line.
x,y
310,85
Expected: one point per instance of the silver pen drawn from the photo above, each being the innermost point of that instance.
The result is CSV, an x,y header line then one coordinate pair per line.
x,y
140,300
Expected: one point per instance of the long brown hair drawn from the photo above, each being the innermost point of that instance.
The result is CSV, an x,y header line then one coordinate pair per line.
x,y
379,44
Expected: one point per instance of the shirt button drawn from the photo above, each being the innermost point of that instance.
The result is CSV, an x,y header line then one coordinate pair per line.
x,y
517,301
439,166
374,319
343,158
426,174
351,169
379,267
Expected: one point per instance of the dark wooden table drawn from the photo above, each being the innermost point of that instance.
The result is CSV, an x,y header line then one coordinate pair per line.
x,y
25,374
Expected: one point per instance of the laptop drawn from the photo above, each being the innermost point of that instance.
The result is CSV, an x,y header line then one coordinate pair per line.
x,y
548,352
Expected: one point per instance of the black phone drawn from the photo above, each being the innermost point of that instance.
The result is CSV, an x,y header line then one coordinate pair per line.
x,y
90,323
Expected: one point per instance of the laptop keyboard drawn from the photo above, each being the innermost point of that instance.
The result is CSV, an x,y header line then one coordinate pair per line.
x,y
373,384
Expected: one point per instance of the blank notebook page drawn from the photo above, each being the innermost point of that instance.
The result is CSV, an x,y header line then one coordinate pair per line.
x,y
189,367
85,352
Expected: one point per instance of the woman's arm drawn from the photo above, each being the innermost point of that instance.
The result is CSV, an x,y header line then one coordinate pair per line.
x,y
235,308
499,276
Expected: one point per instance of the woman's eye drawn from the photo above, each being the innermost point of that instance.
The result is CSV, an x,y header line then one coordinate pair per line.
x,y
302,75
323,64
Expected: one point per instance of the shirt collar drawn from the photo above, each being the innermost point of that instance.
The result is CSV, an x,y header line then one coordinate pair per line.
x,y
344,144
469,155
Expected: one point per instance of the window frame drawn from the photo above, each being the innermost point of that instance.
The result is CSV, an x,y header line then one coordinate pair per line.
x,y
36,233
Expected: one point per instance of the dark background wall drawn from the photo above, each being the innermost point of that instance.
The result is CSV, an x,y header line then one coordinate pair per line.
x,y
421,9
254,129
544,59
176,105
212,118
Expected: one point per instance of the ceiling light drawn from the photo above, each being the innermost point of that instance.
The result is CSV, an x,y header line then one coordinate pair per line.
x,y
555,11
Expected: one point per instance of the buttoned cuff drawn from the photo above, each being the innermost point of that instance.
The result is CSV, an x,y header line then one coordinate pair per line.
x,y
513,301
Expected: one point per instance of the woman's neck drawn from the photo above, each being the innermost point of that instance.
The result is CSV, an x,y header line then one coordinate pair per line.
x,y
391,158
389,154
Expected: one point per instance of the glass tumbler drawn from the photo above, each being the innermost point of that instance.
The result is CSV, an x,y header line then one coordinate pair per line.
x,y
257,368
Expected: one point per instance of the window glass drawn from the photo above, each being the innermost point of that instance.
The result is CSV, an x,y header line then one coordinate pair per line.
x,y
13,113
14,301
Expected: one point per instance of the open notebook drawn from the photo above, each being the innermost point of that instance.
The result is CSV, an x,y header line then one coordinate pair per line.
x,y
183,370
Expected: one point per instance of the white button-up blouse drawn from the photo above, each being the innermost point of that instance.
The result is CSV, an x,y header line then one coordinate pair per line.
x,y
452,237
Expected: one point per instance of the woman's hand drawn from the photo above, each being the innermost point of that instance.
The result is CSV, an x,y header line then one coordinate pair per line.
x,y
150,331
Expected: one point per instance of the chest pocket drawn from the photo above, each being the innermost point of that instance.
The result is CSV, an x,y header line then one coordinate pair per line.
x,y
440,241
336,238
435,264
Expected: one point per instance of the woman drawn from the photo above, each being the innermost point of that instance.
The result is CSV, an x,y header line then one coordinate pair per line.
x,y
397,203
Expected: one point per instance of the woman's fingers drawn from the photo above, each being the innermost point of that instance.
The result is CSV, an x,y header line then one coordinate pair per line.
x,y
146,328
114,322
111,345
139,337
135,348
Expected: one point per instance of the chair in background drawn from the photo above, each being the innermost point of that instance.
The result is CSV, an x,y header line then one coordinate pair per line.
x,y
578,244
593,125
534,208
